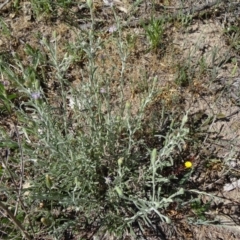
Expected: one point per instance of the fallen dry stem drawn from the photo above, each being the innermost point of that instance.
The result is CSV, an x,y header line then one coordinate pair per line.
x,y
15,221
5,3
183,11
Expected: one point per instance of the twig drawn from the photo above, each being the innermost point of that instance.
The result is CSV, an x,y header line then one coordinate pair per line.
x,y
5,3
203,7
15,221
21,169
183,11
16,187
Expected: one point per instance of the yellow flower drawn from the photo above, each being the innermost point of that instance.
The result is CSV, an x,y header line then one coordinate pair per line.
x,y
188,164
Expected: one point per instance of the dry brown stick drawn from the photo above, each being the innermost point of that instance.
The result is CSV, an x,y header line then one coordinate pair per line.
x,y
15,221
16,186
5,3
21,169
183,11
194,10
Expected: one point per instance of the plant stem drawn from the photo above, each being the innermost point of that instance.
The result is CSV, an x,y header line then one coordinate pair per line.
x,y
15,221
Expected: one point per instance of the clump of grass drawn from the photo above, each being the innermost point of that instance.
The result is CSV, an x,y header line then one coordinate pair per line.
x,y
4,28
200,209
183,77
233,37
154,31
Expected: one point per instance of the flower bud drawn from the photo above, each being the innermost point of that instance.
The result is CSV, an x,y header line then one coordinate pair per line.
x,y
89,3
48,181
45,221
128,105
120,161
119,191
